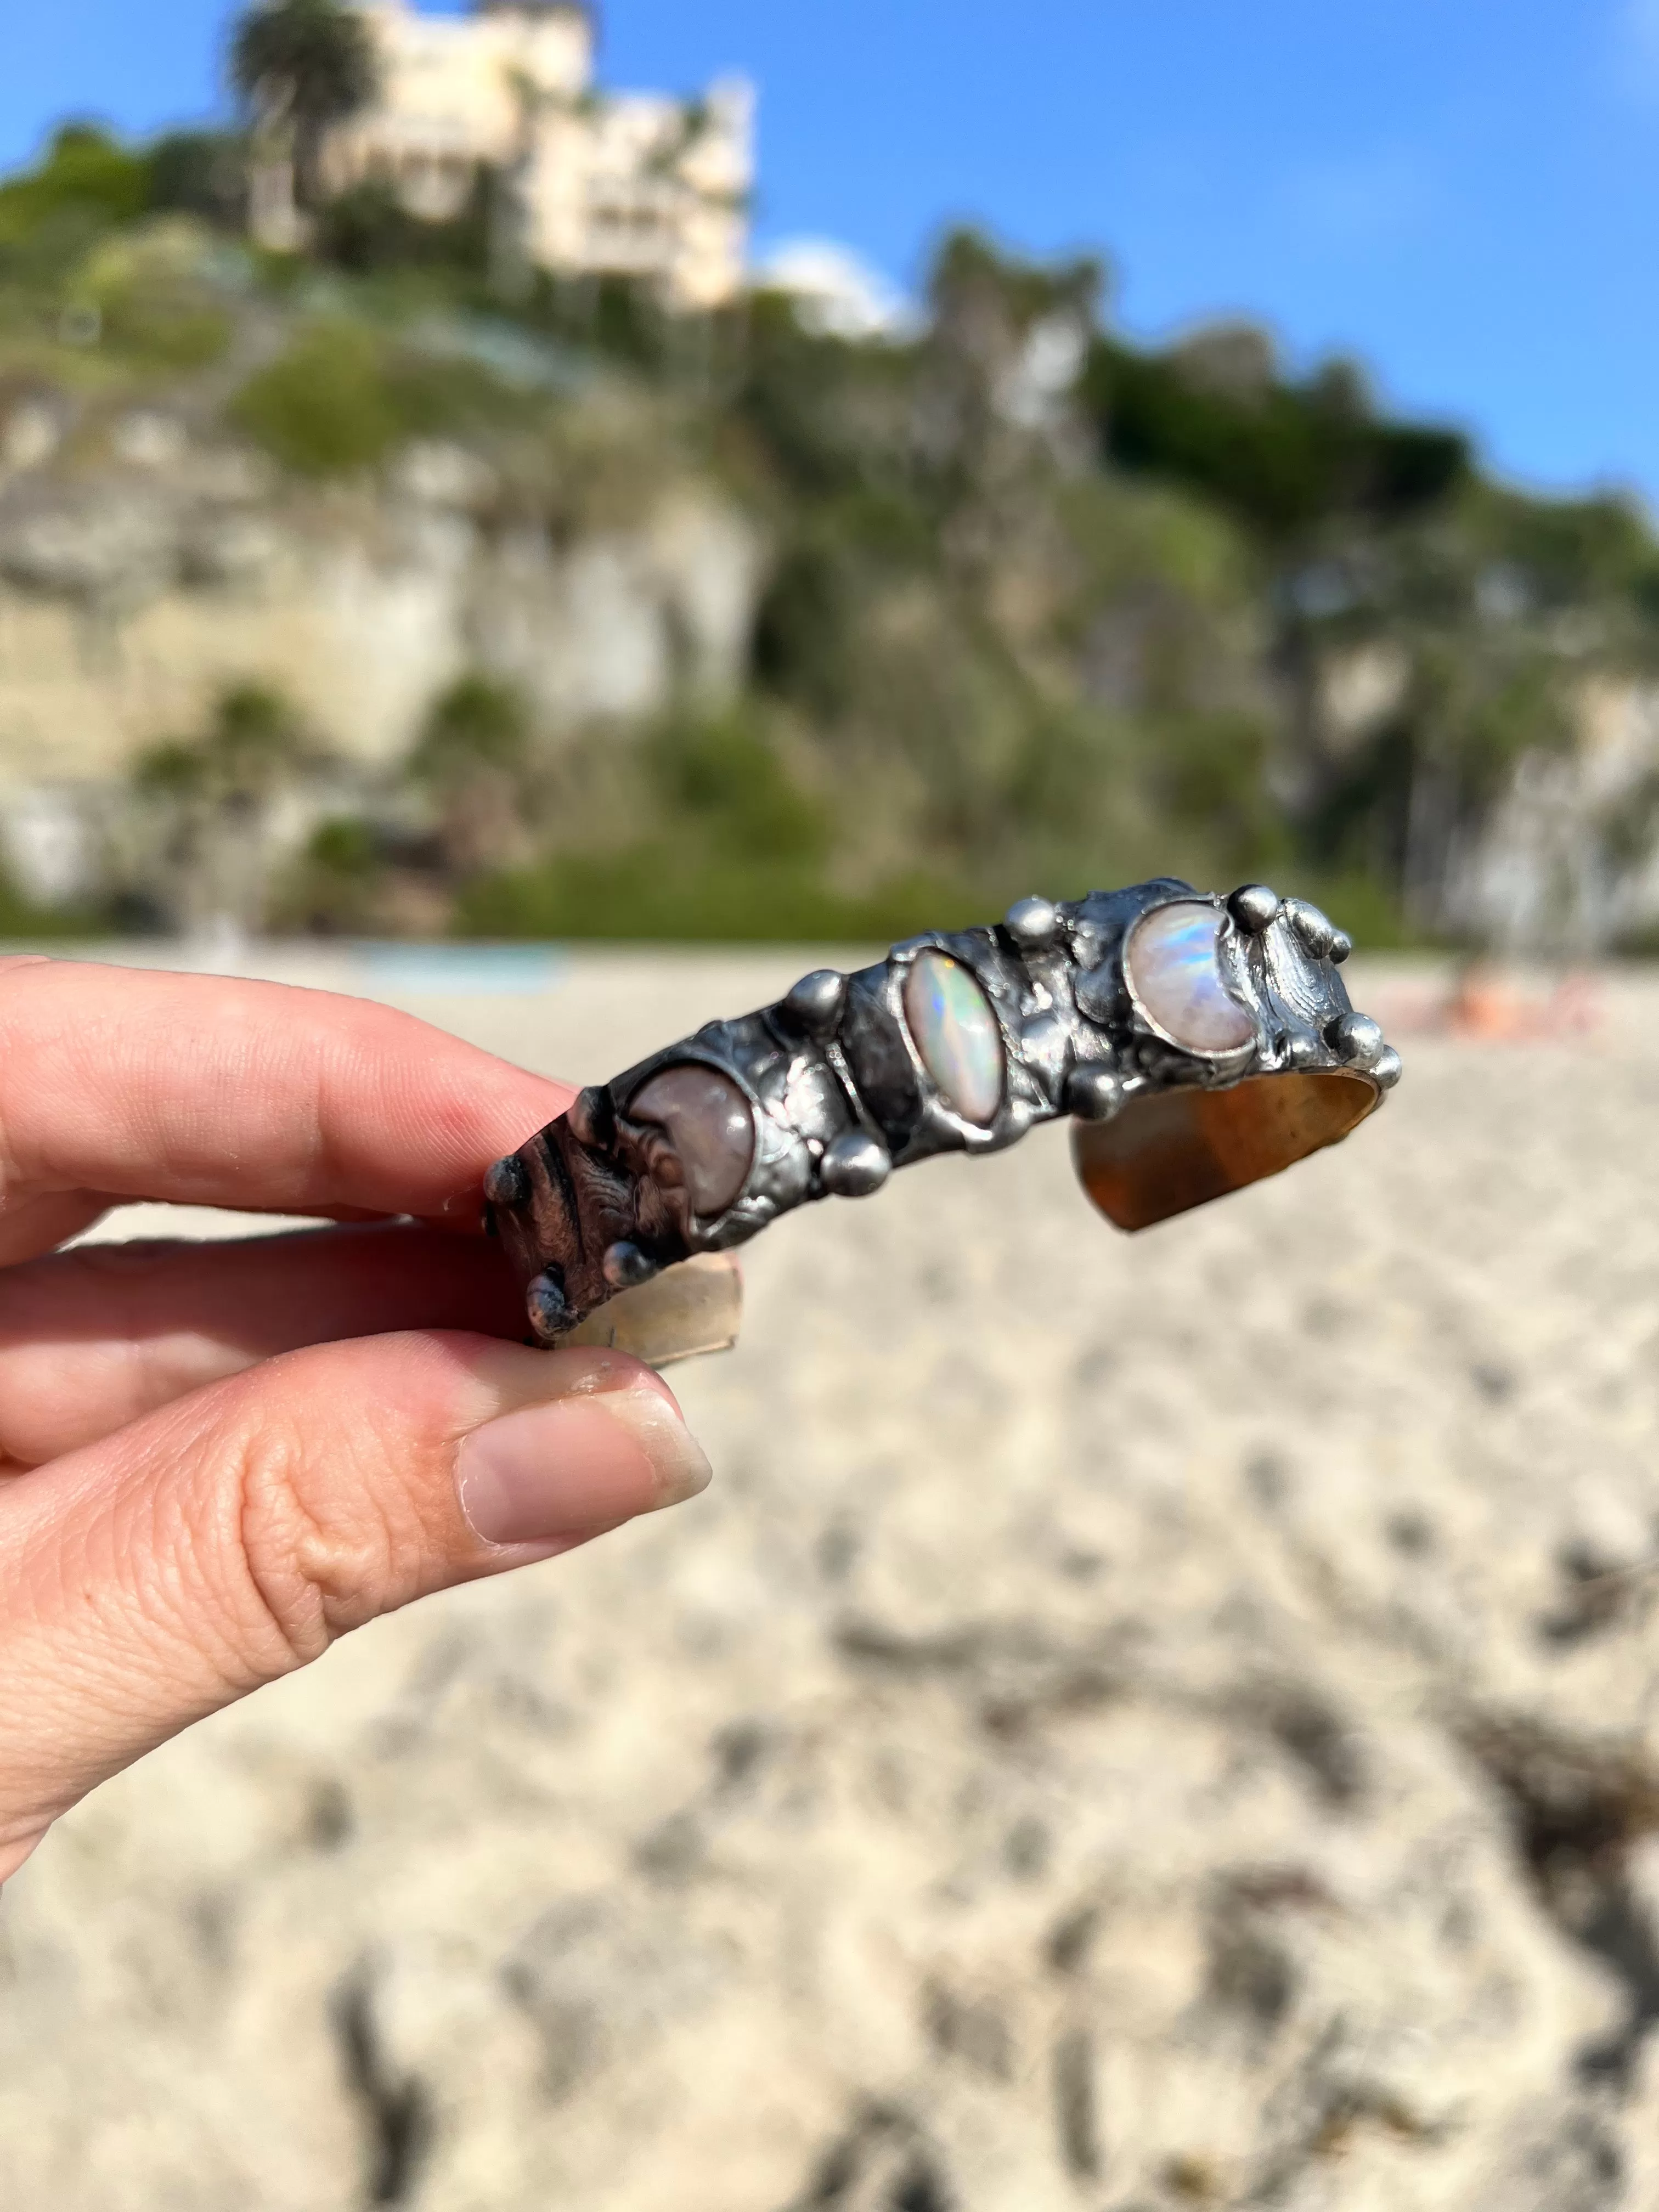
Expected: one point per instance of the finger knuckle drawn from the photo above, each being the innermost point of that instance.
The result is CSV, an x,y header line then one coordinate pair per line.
x,y
325,1543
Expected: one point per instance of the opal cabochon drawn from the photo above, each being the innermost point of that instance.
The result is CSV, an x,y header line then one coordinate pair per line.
x,y
956,1035
1173,964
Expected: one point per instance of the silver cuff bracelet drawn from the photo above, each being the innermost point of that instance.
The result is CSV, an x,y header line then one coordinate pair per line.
x,y
1197,1043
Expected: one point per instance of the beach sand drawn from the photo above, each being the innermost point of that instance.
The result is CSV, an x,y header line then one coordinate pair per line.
x,y
1137,1722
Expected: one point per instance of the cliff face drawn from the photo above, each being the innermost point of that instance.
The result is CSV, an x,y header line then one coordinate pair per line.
x,y
1568,858
1562,854
905,624
1190,1741
132,595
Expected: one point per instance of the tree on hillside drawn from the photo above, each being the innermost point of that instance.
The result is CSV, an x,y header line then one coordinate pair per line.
x,y
300,67
473,757
210,798
1009,338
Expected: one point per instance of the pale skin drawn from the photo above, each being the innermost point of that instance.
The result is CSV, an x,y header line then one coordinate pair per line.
x,y
215,1459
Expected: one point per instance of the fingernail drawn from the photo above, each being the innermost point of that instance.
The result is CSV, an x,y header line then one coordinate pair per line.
x,y
578,1465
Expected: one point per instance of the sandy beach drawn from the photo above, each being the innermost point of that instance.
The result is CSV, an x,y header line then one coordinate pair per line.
x,y
1136,1724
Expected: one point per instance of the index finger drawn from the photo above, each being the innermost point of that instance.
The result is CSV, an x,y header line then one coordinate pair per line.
x,y
209,1091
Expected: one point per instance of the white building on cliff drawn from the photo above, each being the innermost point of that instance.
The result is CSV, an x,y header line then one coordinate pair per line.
x,y
630,183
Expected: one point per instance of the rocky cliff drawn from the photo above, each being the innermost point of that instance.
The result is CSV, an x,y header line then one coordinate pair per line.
x,y
807,632
134,593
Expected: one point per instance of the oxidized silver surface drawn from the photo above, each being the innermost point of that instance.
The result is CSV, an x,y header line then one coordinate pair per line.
x,y
597,1202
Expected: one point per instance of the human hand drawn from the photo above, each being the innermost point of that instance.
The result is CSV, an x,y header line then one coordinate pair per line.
x,y
216,1458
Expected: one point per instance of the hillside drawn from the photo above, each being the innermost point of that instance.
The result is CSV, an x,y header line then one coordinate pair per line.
x,y
385,587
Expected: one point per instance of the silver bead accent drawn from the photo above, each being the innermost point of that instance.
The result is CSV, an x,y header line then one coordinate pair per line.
x,y
855,1165
1316,930
1045,1039
1033,923
508,1181
1255,908
592,1115
1388,1068
1357,1039
1304,1049
626,1267
816,1002
545,1304
1094,1092
1341,946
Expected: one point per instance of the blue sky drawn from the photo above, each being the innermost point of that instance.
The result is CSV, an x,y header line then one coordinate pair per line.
x,y
1464,192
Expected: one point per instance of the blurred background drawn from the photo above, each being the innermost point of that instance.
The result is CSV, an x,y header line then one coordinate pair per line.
x,y
1138,1723
445,491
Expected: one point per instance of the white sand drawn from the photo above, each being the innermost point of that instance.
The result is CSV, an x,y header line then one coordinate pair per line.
x,y
1078,1755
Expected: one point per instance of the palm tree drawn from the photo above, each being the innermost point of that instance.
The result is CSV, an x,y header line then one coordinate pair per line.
x,y
302,66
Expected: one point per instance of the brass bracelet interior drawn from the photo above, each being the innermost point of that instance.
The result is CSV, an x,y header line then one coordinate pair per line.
x,y
1198,1043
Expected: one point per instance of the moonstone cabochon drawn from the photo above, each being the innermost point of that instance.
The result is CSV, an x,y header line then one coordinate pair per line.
x,y
956,1035
710,1125
1173,971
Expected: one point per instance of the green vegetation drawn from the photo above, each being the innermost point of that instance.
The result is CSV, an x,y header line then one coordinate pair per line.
x,y
325,406
253,744
301,65
343,397
334,887
204,800
85,182
1282,458
475,760
1039,607
20,918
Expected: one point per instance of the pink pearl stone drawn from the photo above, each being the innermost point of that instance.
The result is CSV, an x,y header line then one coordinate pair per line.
x,y
1174,969
710,1126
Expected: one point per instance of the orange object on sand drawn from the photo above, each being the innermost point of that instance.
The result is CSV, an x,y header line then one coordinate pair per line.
x,y
1483,1005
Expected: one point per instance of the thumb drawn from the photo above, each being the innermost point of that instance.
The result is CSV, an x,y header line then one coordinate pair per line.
x,y
219,1543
